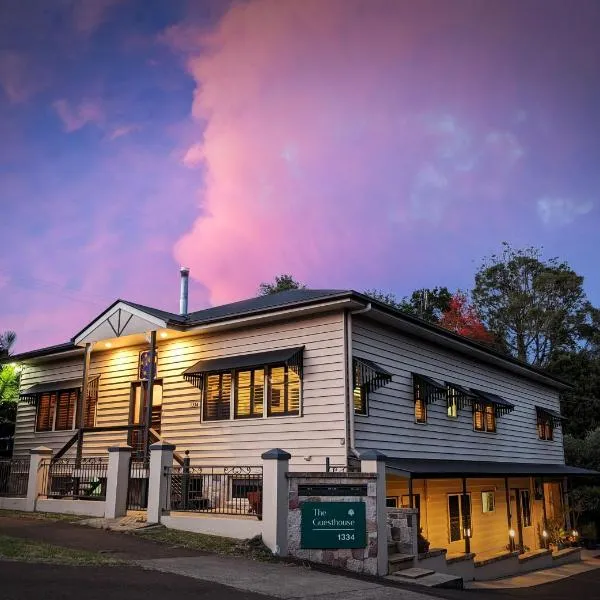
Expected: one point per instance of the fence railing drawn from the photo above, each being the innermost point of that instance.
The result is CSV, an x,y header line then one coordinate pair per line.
x,y
139,479
81,479
14,476
216,490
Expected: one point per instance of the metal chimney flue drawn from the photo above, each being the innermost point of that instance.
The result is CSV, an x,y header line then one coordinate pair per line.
x,y
183,297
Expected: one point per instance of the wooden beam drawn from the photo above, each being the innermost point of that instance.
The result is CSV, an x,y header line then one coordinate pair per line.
x,y
466,518
149,393
511,539
83,400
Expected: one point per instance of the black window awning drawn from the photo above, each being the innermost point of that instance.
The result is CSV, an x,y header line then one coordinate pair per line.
x,y
424,468
32,394
430,389
501,406
369,375
463,396
291,357
555,417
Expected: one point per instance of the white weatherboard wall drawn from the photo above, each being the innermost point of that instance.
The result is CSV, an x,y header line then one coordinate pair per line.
x,y
318,433
391,428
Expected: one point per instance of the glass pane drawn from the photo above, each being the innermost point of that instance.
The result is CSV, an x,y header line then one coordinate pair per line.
x,y
455,525
478,419
293,392
277,391
490,418
487,502
243,393
217,397
452,408
258,392
359,407
420,411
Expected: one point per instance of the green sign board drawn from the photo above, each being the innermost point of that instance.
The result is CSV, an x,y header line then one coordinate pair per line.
x,y
330,525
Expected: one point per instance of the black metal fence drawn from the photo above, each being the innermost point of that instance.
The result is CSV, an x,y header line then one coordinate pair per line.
x,y
80,479
217,490
14,476
139,478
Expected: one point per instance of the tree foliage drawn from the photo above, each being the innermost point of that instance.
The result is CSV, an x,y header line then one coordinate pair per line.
x,y
461,318
9,381
7,340
427,304
282,283
535,306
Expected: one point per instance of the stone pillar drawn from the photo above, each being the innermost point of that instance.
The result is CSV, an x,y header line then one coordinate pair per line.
x,y
39,459
117,481
161,456
275,499
373,461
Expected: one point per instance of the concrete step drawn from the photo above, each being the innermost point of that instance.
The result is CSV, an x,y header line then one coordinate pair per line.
x,y
430,579
400,562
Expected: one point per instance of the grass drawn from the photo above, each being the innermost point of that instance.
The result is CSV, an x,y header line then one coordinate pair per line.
x,y
253,549
19,514
39,552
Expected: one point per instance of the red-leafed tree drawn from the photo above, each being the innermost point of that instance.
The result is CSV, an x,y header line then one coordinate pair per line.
x,y
461,317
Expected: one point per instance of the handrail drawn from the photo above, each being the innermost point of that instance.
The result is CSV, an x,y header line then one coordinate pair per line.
x,y
112,428
65,448
157,438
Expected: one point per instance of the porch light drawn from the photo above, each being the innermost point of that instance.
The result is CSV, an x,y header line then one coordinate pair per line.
x,y
108,345
544,534
575,533
164,334
511,532
467,533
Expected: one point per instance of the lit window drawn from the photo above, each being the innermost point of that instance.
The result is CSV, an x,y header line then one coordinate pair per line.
x,y
484,417
420,405
360,400
249,393
284,392
452,402
488,502
56,411
545,428
217,397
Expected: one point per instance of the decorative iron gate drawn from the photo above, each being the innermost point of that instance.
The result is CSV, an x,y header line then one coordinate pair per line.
x,y
139,478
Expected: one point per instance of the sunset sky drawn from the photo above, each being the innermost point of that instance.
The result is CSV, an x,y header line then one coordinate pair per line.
x,y
354,143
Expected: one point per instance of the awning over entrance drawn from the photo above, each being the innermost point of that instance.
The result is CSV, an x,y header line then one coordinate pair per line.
x,y
422,468
31,394
291,357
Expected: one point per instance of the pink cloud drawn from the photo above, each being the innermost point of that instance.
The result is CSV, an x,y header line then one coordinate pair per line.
x,y
88,15
76,117
122,131
315,143
18,76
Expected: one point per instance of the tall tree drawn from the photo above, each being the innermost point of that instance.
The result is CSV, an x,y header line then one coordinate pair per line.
x,y
9,386
535,306
7,340
282,283
428,304
461,317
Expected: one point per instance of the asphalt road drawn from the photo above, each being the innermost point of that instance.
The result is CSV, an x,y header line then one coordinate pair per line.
x,y
23,581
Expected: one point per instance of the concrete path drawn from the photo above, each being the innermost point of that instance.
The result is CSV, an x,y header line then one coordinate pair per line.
x,y
527,580
279,580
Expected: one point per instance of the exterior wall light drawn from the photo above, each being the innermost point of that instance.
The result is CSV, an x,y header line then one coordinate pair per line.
x,y
511,532
544,534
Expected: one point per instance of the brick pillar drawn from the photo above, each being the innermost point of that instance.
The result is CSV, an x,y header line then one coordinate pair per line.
x,y
373,461
38,475
161,456
117,481
275,500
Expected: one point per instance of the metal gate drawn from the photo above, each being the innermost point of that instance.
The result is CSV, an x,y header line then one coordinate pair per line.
x,y
139,478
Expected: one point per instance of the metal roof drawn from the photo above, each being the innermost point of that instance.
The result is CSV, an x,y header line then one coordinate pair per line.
x,y
426,468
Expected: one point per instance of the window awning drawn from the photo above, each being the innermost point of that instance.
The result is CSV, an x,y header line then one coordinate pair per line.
x,y
369,375
501,406
291,357
431,389
464,396
555,417
426,468
32,394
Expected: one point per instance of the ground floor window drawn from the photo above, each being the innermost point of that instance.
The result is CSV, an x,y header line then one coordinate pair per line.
x,y
488,502
459,517
525,497
391,502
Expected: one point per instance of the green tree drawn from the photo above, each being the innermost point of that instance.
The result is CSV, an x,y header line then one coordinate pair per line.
x,y
537,307
428,304
9,384
282,283
7,340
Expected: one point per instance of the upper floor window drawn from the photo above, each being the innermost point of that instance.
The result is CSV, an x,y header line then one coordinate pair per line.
x,y
249,393
283,397
56,410
484,417
217,396
545,427
367,376
452,402
420,405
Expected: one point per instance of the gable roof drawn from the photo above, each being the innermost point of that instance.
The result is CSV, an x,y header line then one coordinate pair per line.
x,y
305,297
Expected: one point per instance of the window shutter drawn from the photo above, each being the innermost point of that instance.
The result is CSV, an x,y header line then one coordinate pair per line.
x,y
478,417
65,410
45,412
490,418
420,411
217,397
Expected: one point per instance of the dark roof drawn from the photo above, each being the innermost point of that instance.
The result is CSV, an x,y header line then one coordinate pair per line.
x,y
159,314
53,386
261,304
47,351
421,468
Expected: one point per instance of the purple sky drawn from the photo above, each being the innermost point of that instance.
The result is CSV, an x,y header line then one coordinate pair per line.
x,y
353,143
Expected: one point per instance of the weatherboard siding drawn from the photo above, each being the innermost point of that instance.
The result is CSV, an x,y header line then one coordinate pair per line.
x,y
318,433
390,425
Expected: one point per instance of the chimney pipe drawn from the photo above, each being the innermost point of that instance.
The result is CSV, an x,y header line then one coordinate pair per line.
x,y
183,298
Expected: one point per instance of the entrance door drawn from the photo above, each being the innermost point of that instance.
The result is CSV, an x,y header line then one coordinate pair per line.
x,y
137,412
520,510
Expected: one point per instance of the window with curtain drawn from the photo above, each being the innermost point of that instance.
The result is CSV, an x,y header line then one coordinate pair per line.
x,y
420,405
545,427
217,397
249,393
484,417
283,396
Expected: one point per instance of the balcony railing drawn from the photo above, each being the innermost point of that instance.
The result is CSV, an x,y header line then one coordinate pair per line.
x,y
14,475
76,478
216,490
